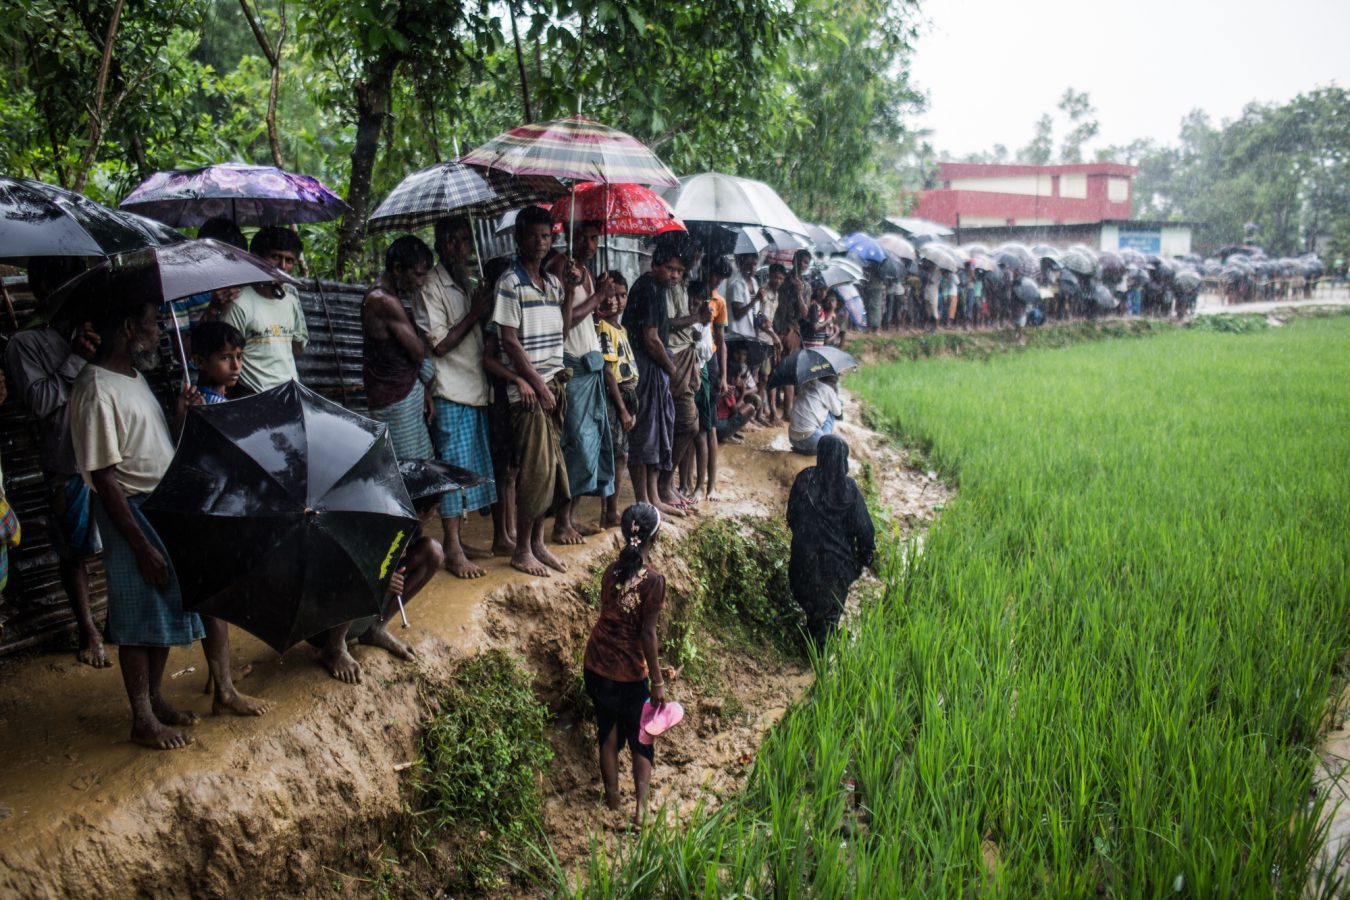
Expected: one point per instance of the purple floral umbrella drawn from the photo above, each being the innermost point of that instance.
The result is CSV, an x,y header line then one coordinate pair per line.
x,y
244,194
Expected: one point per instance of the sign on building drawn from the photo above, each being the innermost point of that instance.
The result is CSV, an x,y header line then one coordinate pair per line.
x,y
1144,241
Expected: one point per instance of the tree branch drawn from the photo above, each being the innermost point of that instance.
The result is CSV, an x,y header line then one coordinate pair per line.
x,y
96,111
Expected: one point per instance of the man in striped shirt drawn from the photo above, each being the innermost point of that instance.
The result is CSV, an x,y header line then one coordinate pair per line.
x,y
528,319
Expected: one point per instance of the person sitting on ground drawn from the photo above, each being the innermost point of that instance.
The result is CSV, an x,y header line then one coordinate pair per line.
x,y
621,379
454,316
43,362
621,665
817,408
832,537
586,442
422,559
528,315
736,407
393,353
123,448
269,317
651,442
218,352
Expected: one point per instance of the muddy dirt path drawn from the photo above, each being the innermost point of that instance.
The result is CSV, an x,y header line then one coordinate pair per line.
x,y
296,802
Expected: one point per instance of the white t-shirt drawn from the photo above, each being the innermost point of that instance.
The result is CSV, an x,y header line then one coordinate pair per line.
x,y
269,326
582,339
740,290
115,420
815,401
460,376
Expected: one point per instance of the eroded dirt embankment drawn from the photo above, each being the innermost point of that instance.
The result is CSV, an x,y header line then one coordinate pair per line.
x,y
297,803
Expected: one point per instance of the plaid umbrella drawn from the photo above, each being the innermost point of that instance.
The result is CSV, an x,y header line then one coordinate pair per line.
x,y
624,208
244,194
574,147
452,188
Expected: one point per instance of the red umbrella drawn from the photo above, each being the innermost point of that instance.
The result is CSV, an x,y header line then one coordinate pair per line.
x,y
623,208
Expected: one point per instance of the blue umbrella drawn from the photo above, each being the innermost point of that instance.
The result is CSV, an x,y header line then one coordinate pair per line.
x,y
865,246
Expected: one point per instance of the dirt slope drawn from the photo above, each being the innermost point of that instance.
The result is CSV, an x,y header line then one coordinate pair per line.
x,y
296,803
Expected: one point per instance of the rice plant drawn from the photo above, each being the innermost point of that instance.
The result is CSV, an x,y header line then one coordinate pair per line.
x,y
1106,672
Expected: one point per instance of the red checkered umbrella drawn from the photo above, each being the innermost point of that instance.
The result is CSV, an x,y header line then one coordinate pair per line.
x,y
623,208
575,147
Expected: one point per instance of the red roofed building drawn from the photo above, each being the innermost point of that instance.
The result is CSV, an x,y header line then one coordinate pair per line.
x,y
993,195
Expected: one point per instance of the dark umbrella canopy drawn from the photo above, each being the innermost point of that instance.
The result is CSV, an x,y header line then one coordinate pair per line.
x,y
39,219
451,188
809,364
283,513
430,477
1026,291
244,194
160,273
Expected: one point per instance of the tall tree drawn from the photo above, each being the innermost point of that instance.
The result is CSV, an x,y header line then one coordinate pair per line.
x,y
1042,146
1082,119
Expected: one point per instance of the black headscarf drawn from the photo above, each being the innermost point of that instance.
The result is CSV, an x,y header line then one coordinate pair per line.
x,y
830,490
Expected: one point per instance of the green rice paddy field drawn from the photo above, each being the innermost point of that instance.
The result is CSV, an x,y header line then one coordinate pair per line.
x,y
1106,671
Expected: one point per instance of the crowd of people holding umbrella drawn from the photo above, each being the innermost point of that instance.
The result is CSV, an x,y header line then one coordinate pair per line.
x,y
220,490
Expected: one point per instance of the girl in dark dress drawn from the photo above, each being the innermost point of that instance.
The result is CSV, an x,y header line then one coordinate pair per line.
x,y
622,652
832,537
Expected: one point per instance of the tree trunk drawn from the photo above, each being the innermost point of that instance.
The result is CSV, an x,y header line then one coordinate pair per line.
x,y
273,56
373,97
96,123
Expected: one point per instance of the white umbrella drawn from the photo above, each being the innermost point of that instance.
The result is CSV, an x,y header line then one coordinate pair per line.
x,y
750,240
728,200
941,256
898,245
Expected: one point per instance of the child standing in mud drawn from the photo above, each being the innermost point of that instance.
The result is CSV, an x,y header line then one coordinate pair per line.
x,y
621,654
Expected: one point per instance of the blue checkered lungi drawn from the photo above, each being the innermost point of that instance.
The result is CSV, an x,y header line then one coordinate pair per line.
x,y
462,440
407,427
141,614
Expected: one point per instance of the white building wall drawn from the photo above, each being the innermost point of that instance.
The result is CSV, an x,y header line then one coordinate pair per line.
x,y
1176,241
1110,238
1026,185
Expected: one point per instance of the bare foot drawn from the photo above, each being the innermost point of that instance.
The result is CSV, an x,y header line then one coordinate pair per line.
x,y
542,554
341,666
475,553
378,636
566,535
460,567
668,510
524,561
167,715
238,674
588,530
158,736
608,521
503,547
93,654
239,704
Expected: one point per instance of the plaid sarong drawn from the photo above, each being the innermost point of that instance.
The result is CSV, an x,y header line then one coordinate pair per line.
x,y
407,428
462,440
140,614
10,534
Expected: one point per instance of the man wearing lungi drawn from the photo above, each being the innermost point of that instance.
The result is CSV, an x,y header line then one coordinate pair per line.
x,y
528,315
394,366
459,389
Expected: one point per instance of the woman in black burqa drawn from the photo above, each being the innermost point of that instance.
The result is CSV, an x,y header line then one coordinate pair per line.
x,y
832,537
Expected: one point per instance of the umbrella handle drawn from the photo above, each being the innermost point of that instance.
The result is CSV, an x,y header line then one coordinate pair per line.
x,y
178,338
473,232
402,614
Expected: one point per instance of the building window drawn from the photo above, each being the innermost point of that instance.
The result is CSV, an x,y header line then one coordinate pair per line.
x,y
1073,186
1117,189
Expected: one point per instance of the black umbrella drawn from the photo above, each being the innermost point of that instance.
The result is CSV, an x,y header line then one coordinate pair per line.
x,y
40,219
809,364
283,513
425,478
1026,291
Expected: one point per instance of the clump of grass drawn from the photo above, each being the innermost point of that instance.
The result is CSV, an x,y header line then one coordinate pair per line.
x,y
1231,323
1106,672
985,344
477,778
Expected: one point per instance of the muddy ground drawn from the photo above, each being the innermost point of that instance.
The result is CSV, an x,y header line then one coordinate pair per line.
x,y
297,803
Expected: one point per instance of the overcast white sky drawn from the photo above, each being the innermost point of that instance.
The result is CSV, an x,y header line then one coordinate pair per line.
x,y
991,67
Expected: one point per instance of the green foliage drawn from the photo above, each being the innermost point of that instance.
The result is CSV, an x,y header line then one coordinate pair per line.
x,y
984,344
1231,323
1104,671
740,590
482,750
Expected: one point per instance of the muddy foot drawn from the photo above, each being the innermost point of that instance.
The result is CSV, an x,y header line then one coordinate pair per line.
x,y
341,666
566,536
238,674
476,553
460,567
158,736
542,554
588,530
525,562
169,716
93,654
608,521
378,636
503,548
668,510
239,704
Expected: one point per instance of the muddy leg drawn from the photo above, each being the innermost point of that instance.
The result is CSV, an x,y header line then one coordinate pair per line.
x,y
564,530
609,767
137,671
524,558
642,780
75,581
609,518
541,552
216,645
711,484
